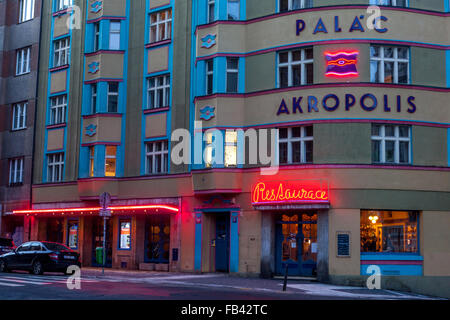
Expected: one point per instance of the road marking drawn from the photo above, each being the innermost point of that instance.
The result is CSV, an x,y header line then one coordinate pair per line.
x,y
22,280
10,284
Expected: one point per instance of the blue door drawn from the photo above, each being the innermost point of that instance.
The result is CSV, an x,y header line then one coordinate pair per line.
x,y
222,242
296,244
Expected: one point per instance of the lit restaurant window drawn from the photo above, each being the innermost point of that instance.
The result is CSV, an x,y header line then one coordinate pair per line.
x,y
110,161
72,237
389,231
91,161
391,144
295,68
389,64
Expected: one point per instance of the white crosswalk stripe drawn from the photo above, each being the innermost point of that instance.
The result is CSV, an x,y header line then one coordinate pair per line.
x,y
22,280
4,284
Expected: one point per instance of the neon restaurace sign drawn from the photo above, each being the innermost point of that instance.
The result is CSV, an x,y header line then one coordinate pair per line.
x,y
287,192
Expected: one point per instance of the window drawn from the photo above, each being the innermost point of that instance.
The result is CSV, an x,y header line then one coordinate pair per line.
x,y
295,145
114,35
395,3
110,161
62,4
211,11
389,64
125,235
233,9
72,237
91,161
15,171
295,68
158,92
232,74
96,36
61,49
19,117
26,10
286,5
23,61
161,26
94,98
391,144
230,148
58,107
113,96
389,231
55,167
209,76
157,157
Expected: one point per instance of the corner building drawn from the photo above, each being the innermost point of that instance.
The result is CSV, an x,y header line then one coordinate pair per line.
x,y
358,109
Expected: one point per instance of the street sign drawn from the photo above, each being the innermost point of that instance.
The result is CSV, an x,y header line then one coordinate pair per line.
x,y
105,213
105,200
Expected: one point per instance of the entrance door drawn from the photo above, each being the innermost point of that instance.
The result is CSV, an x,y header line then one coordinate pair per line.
x,y
296,244
222,242
55,230
97,242
157,239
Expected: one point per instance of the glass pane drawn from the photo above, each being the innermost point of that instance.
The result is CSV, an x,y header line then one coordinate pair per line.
x,y
284,57
296,132
296,152
404,152
284,78
376,130
309,53
296,75
296,4
388,52
309,131
389,131
374,51
283,133
233,9
232,63
309,73
232,82
376,157
402,52
284,5
403,72
375,71
388,72
309,151
404,132
390,151
296,55
283,152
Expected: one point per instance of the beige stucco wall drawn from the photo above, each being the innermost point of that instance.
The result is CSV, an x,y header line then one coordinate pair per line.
x,y
435,243
158,59
111,66
108,129
55,139
60,25
156,125
158,3
109,8
58,81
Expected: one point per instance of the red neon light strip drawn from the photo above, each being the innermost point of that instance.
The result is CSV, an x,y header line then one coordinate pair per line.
x,y
341,52
62,210
341,74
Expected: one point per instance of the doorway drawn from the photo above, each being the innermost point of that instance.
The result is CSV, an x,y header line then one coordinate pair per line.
x,y
296,244
97,242
222,243
55,230
157,239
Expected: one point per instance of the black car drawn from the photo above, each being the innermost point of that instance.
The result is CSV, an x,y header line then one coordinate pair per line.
x,y
6,245
39,257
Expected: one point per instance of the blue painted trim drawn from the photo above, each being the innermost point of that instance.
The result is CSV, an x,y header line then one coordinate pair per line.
x,y
198,241
234,241
448,147
446,5
391,256
395,270
447,66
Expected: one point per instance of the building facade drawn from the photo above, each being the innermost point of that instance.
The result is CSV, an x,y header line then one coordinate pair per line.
x,y
19,53
317,137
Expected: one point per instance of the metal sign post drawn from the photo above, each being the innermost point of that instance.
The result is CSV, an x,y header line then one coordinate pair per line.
x,y
105,200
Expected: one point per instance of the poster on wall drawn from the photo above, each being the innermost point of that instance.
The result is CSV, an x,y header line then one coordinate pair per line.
x,y
73,236
125,235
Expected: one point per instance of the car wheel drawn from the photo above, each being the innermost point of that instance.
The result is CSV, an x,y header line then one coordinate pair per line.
x,y
37,268
3,267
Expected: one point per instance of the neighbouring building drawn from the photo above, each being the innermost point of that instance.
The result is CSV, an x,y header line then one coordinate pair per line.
x,y
19,52
356,106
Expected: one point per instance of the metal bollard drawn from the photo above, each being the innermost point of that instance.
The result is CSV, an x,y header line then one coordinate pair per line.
x,y
285,278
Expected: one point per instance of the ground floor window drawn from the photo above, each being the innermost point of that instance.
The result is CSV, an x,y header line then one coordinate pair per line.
x,y
125,235
72,237
389,231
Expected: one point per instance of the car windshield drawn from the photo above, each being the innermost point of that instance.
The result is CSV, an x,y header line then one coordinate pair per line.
x,y
55,247
6,242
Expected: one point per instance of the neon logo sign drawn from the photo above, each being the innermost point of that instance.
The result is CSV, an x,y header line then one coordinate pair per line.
x,y
287,192
341,64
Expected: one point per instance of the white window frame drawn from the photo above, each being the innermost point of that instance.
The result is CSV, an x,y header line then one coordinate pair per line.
x,y
381,59
209,73
62,4
167,22
26,10
19,116
303,4
397,139
23,61
114,33
94,95
302,62
165,87
96,36
61,48
239,9
383,3
290,139
211,6
16,170
150,152
231,139
55,164
236,71
113,93
58,109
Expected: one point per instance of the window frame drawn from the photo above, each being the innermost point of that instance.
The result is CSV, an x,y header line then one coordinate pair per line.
x,y
209,73
96,36
393,3
26,12
290,140
57,53
303,5
109,157
58,110
397,139
113,93
62,4
381,64
16,170
211,6
116,33
91,161
57,164
22,64
19,112
291,63
163,155
232,71
165,87
167,26
228,10
94,96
